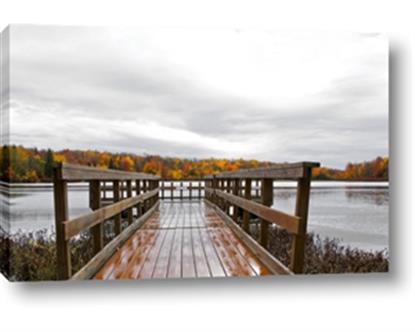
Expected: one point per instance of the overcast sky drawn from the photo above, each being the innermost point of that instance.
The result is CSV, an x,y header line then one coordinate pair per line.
x,y
269,95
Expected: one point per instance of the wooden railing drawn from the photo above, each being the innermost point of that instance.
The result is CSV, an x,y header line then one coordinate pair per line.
x,y
128,199
185,189
136,205
194,188
168,189
232,191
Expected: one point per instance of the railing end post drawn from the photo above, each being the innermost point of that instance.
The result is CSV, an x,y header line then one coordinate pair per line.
x,y
60,195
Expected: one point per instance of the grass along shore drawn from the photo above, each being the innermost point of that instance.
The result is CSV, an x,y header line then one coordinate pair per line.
x,y
32,256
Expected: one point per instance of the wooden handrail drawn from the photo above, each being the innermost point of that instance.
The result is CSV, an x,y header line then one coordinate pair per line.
x,y
75,226
282,219
73,173
91,268
224,196
272,263
285,171
144,201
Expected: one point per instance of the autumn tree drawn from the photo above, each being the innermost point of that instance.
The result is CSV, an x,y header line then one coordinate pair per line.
x,y
126,163
20,164
151,167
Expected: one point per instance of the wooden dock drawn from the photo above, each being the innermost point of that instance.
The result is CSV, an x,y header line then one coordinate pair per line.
x,y
201,232
186,239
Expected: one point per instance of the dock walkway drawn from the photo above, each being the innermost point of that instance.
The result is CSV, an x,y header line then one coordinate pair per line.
x,y
185,239
190,228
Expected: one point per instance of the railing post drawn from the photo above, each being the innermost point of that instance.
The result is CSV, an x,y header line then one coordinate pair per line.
x,y
161,185
121,190
130,194
215,187
157,185
154,186
116,195
97,231
150,188
220,187
247,194
301,210
266,199
190,190
171,190
200,190
181,190
236,193
208,184
156,197
60,193
226,189
138,193
104,190
229,192
145,204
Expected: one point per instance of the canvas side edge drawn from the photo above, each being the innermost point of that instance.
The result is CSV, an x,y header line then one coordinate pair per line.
x,y
5,154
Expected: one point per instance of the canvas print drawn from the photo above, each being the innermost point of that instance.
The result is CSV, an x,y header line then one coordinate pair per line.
x,y
169,153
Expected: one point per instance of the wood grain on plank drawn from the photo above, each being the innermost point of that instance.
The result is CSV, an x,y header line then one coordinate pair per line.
x,y
183,240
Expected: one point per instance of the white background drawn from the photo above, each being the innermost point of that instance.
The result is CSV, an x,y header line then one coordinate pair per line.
x,y
324,303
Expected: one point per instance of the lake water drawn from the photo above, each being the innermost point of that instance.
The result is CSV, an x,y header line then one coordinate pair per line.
x,y
356,213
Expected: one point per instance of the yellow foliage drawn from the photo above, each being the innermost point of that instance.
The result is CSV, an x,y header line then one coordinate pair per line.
x,y
60,158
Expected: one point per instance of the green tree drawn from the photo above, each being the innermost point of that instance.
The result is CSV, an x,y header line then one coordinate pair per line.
x,y
111,164
5,163
49,163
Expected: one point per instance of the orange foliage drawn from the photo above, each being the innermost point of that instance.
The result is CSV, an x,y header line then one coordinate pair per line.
x,y
21,164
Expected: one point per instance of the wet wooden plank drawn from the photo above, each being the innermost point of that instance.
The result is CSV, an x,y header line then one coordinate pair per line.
x,y
175,264
228,255
215,265
234,249
200,219
259,268
183,240
162,263
188,264
100,259
273,264
202,268
137,260
150,261
235,255
119,262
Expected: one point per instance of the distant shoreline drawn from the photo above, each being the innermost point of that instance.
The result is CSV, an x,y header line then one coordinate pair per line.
x,y
319,184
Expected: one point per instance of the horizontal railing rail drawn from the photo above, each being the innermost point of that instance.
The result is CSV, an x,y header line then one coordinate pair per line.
x,y
285,171
168,189
231,193
75,226
193,188
124,202
286,221
76,173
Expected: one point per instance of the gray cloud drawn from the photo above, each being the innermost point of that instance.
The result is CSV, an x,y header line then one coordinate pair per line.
x,y
82,86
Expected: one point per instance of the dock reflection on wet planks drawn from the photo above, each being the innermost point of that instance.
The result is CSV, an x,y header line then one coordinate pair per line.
x,y
184,239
